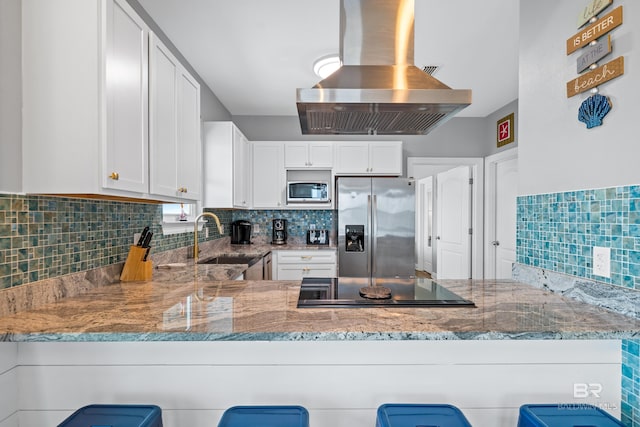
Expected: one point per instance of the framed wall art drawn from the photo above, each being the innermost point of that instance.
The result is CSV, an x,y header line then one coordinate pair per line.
x,y
505,131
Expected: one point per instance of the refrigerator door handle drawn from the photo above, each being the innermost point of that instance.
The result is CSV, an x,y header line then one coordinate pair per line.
x,y
374,234
368,238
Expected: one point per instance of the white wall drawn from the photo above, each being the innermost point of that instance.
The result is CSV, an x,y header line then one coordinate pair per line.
x,y
341,383
10,97
556,151
8,384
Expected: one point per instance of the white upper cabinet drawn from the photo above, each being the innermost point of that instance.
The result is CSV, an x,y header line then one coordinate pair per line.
x,y
268,175
174,141
85,98
301,155
227,163
127,56
368,158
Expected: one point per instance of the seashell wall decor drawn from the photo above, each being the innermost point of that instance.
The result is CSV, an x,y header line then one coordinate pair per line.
x,y
593,110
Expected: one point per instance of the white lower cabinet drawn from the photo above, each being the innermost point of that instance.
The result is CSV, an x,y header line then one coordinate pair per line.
x,y
298,264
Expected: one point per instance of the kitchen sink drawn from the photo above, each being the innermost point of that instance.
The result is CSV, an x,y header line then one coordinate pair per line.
x,y
232,259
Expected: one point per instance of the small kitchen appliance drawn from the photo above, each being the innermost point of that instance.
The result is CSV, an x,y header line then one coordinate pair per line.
x,y
307,192
241,232
279,233
317,237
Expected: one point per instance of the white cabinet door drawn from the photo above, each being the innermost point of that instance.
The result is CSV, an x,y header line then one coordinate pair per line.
x,y
385,158
351,158
295,155
302,155
189,158
241,170
268,175
298,264
126,86
321,155
174,140
227,174
163,98
368,158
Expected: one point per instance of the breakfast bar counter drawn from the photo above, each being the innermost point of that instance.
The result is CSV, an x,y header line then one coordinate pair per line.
x,y
191,303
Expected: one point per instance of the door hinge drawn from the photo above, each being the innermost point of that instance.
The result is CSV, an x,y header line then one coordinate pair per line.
x,y
471,231
470,181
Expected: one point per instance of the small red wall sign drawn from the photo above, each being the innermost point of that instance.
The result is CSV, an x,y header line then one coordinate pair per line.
x,y
505,130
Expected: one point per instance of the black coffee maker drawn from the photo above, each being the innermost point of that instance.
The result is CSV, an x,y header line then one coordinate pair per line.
x,y
279,234
241,232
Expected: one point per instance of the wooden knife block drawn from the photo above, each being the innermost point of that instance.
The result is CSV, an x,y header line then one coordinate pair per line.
x,y
135,269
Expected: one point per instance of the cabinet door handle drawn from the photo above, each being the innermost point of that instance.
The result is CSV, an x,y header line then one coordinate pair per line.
x,y
114,176
306,256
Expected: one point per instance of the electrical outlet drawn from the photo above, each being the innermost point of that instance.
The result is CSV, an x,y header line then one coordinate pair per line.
x,y
222,228
206,232
312,226
601,261
256,228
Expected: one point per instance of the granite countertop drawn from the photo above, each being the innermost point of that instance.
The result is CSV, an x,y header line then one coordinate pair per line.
x,y
197,302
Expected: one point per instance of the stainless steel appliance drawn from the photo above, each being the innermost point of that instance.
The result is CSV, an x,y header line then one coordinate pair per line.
x,y
241,232
345,292
307,192
376,227
378,90
279,232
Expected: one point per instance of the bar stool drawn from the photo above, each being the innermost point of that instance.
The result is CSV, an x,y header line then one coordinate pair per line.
x,y
567,414
411,415
265,416
115,416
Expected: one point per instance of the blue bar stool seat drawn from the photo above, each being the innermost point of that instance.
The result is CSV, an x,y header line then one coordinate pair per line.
x,y
115,416
265,416
412,415
565,415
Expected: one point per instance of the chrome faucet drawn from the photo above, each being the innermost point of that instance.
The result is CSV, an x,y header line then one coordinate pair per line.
x,y
195,232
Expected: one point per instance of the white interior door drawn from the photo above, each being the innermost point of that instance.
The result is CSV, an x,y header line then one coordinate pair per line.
x,y
505,237
453,205
426,188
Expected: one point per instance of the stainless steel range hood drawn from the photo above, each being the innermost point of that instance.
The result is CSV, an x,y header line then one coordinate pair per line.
x,y
378,90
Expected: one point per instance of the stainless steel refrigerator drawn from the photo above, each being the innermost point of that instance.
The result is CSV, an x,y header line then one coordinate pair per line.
x,y
376,227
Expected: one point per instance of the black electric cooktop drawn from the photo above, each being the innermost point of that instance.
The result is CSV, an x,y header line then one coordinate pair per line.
x,y
345,292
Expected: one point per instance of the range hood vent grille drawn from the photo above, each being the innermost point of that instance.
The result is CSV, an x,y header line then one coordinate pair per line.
x,y
371,123
378,90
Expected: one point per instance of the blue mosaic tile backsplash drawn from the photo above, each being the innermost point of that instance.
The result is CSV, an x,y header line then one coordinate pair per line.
x,y
631,382
558,231
44,237
298,221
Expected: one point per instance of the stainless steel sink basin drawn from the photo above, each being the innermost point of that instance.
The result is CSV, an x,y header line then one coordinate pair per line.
x,y
232,259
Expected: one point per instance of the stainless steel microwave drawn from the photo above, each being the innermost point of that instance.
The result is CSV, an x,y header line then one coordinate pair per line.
x,y
307,192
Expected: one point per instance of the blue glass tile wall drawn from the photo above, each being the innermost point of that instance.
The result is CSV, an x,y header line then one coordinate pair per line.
x,y
45,237
558,231
298,221
631,382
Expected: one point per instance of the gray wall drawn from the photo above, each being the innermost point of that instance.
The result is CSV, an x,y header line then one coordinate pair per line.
x,y
459,137
210,106
556,151
10,96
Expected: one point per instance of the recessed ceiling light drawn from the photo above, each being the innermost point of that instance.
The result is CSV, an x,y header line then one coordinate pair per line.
x,y
327,65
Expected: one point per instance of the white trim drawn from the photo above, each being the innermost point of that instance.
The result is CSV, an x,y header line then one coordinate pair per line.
x,y
490,206
477,202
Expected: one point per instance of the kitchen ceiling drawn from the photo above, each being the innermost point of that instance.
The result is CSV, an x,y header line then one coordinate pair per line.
x,y
254,54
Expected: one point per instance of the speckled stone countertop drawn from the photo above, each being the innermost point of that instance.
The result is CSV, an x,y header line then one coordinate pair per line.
x,y
191,303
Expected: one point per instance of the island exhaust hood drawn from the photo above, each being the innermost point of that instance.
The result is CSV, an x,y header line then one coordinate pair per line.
x,y
378,90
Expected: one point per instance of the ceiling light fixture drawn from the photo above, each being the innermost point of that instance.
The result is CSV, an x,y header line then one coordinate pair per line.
x,y
327,65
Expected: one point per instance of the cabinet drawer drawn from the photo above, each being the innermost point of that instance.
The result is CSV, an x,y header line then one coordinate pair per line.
x,y
298,272
306,257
